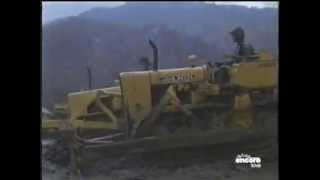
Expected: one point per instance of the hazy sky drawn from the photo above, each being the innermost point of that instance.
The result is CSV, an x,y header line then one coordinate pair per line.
x,y
54,10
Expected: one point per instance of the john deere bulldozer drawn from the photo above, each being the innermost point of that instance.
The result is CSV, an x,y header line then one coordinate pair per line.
x,y
160,109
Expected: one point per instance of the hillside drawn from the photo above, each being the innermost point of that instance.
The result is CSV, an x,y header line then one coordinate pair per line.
x,y
111,40
210,22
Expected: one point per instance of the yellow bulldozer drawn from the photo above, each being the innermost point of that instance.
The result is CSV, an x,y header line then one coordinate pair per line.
x,y
180,107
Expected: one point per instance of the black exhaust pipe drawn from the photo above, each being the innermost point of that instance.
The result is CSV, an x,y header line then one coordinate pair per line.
x,y
155,56
89,77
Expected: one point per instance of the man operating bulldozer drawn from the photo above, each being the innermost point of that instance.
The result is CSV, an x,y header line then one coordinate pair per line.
x,y
243,49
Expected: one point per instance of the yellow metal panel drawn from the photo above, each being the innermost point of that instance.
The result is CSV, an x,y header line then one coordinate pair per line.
x,y
242,102
265,56
136,89
50,124
255,75
179,75
242,119
242,114
93,125
117,103
200,95
79,101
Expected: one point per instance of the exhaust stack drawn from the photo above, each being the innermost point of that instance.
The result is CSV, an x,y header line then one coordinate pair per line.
x,y
89,77
155,56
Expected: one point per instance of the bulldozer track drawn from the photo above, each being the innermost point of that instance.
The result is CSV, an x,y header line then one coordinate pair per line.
x,y
262,146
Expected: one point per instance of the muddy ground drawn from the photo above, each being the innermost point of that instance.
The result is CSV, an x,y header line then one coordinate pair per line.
x,y
203,166
199,170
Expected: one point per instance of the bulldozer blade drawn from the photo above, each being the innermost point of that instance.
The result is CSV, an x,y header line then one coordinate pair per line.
x,y
149,144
